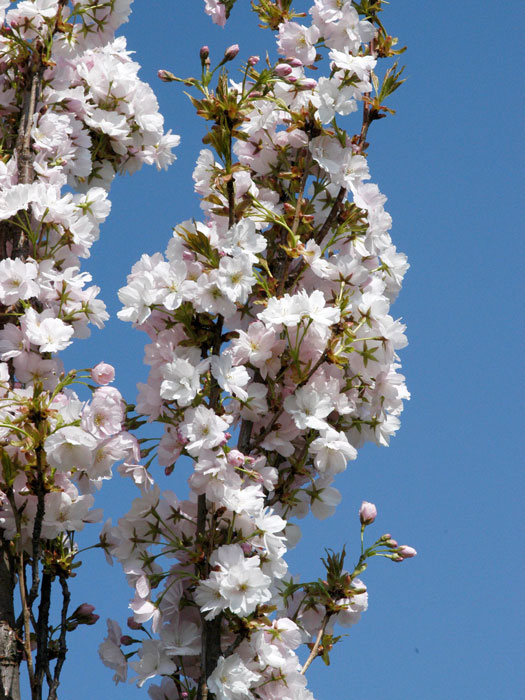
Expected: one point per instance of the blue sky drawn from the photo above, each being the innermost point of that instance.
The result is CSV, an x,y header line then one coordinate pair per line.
x,y
445,625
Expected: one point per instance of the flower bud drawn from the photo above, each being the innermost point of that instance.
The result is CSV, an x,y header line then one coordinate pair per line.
x,y
231,52
294,62
235,458
84,615
132,624
367,513
406,552
165,76
103,373
308,84
282,70
126,640
253,60
204,52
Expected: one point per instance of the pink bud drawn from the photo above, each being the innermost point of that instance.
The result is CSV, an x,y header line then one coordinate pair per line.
x,y
406,552
84,609
294,62
231,52
133,625
282,70
103,373
235,458
84,615
253,60
204,52
367,513
165,76
308,84
126,640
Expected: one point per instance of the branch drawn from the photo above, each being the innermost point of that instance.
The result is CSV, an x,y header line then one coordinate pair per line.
x,y
315,649
62,648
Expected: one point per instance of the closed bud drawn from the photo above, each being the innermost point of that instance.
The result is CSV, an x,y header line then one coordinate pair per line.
x,y
282,70
235,458
308,84
204,52
83,615
253,60
165,76
406,552
133,625
231,52
103,373
126,640
367,513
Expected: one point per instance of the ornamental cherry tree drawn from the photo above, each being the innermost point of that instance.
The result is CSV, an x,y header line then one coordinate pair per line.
x,y
273,359
73,113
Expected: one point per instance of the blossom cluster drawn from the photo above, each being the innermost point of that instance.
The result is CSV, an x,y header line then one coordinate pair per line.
x,y
73,113
273,358
70,89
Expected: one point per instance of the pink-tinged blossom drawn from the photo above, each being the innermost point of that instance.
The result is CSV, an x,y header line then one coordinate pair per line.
x,y
12,342
70,448
243,238
153,662
334,98
350,609
50,334
332,452
323,498
181,639
203,429
181,378
236,582
361,66
103,417
256,346
346,168
229,378
67,511
111,653
216,10
289,310
309,408
103,373
298,41
232,679
236,277
17,281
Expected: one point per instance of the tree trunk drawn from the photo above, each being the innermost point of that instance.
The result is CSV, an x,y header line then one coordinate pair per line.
x,y
10,653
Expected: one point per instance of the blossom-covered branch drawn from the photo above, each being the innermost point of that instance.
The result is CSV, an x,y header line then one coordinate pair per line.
x,y
73,113
273,359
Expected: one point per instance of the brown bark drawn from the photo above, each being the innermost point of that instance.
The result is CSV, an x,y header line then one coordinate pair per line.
x,y
10,651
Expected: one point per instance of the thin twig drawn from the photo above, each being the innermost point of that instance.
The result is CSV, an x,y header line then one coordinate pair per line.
x,y
62,648
315,649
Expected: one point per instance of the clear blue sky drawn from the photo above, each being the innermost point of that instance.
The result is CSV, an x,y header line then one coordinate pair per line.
x,y
444,626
